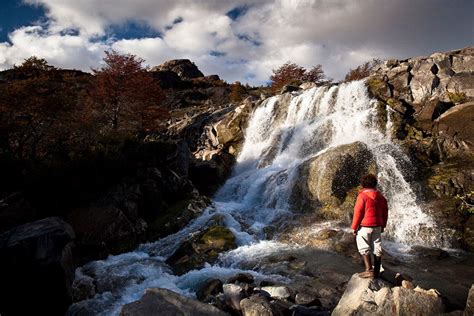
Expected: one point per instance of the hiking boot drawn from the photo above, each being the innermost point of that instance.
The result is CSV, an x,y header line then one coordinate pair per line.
x,y
377,264
369,272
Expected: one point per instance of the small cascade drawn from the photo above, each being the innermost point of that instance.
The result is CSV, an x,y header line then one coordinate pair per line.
x,y
283,132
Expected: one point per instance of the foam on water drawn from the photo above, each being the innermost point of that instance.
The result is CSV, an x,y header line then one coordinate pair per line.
x,y
283,132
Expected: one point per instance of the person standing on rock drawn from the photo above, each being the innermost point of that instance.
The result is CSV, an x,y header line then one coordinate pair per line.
x,y
370,220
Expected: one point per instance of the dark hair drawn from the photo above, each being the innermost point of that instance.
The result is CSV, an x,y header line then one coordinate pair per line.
x,y
368,181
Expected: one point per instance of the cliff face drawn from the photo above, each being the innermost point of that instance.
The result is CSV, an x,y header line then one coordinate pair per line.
x,y
432,115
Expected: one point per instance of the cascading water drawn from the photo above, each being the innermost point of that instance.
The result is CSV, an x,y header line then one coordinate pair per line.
x,y
283,132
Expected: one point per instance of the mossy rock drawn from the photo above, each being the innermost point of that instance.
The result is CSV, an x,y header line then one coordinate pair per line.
x,y
378,88
218,237
201,248
175,217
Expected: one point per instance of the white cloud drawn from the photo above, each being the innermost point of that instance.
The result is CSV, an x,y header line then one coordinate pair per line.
x,y
339,34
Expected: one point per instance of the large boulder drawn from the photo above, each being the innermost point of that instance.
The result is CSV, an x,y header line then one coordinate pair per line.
x,y
330,179
37,257
103,230
256,305
202,248
184,68
458,122
462,84
164,302
377,297
464,60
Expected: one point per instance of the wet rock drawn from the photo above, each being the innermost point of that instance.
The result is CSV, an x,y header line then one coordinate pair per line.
x,y
277,291
375,297
266,283
328,178
308,85
209,290
430,252
83,288
37,256
289,88
307,299
164,302
233,294
256,305
280,307
241,278
202,248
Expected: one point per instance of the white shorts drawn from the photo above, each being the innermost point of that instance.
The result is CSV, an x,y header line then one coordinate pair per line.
x,y
369,240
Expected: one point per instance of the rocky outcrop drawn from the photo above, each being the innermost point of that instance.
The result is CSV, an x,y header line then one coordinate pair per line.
x,y
453,123
37,256
164,302
431,101
154,203
377,297
202,248
184,68
330,180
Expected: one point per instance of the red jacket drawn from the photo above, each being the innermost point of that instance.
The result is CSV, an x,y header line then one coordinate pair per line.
x,y
370,209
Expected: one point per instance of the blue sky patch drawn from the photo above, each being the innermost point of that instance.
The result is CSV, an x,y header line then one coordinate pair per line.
x,y
133,29
14,14
237,12
216,53
247,38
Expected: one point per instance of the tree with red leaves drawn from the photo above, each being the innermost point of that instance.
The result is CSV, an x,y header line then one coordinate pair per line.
x,y
36,110
127,97
362,71
291,73
288,73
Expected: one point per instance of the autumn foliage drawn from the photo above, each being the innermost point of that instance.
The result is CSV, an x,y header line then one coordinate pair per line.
x,y
361,71
237,91
37,110
291,73
126,95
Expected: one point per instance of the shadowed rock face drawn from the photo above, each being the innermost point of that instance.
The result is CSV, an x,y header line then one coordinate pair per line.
x,y
167,303
37,256
184,68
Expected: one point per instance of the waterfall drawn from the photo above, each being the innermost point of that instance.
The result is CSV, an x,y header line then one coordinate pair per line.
x,y
283,132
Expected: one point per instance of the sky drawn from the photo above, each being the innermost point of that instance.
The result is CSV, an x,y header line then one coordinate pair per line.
x,y
238,40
